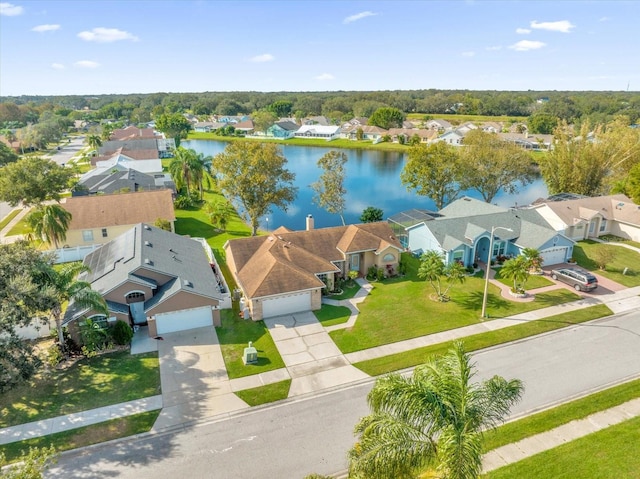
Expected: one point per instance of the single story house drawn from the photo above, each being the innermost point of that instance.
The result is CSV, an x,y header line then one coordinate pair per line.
x,y
318,131
452,137
245,126
122,180
529,142
425,135
579,217
463,232
438,125
285,272
150,276
369,132
283,130
207,126
100,218
132,133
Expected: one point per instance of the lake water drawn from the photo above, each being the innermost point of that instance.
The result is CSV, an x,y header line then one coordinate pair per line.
x,y
372,179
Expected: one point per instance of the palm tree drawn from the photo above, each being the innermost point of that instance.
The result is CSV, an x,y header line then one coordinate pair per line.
x,y
517,270
50,223
67,288
534,259
94,141
202,173
184,168
219,213
433,269
435,418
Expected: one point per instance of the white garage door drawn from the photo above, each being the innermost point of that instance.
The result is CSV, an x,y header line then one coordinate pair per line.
x,y
553,256
291,303
184,319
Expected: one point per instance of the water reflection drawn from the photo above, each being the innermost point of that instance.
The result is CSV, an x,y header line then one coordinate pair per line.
x,y
372,179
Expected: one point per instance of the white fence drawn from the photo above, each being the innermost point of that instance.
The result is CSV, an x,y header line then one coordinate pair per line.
x,y
223,288
67,255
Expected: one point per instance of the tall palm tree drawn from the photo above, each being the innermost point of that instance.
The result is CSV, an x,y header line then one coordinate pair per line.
x,y
50,223
94,141
67,288
433,419
184,168
534,259
433,269
202,172
517,270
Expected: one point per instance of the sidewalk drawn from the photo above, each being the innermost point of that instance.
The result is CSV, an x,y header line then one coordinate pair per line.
x,y
4,239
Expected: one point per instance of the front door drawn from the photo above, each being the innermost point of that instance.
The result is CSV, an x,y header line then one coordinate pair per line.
x,y
354,262
137,313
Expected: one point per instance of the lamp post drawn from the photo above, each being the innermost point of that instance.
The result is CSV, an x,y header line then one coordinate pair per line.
x,y
486,274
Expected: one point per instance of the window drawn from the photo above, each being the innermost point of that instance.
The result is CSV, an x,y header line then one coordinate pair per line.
x,y
603,225
458,255
104,232
87,235
498,248
388,257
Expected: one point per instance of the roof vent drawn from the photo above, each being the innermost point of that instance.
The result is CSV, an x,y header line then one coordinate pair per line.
x,y
147,243
147,227
147,261
187,283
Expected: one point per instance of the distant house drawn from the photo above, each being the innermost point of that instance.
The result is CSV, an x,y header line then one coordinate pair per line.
x,y
105,163
163,147
285,272
438,125
426,136
282,130
356,121
491,127
452,137
245,126
231,119
318,131
153,277
316,120
373,133
133,133
100,218
579,217
529,142
466,127
462,233
207,126
122,180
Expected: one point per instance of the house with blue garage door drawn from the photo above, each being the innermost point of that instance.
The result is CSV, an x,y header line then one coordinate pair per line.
x,y
462,230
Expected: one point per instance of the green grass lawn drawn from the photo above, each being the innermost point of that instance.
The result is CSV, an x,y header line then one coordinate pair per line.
x,y
7,219
618,239
613,452
584,252
88,384
265,394
400,308
329,315
552,418
349,290
85,436
234,336
407,359
20,228
535,280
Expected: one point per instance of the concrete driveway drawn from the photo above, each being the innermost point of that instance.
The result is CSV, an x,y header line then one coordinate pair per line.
x,y
605,287
312,359
194,379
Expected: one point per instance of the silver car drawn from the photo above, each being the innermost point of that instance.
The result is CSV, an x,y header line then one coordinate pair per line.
x,y
580,279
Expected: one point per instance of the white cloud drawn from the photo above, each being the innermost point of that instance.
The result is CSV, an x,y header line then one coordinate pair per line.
x,y
494,48
522,31
57,66
324,77
106,35
358,16
46,28
524,45
563,26
468,54
265,57
87,64
10,10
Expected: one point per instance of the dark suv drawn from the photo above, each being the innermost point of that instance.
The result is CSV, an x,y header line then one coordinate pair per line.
x,y
580,279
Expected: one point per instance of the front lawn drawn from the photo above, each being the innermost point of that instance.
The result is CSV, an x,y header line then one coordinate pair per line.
x,y
414,357
535,280
349,290
329,315
234,336
88,384
400,308
85,436
265,394
585,253
7,219
611,452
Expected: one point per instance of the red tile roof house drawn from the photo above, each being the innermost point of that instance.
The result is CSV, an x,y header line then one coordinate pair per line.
x,y
285,272
100,218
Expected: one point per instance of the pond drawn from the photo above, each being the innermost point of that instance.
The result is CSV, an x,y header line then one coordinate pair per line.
x,y
372,179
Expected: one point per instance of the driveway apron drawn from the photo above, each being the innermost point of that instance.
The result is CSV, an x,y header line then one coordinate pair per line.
x,y
312,359
194,379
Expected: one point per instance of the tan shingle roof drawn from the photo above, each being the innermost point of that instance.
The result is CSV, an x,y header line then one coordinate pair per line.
x,y
102,211
616,207
132,132
290,261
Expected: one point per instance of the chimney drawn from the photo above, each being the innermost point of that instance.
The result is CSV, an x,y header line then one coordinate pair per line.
x,y
309,222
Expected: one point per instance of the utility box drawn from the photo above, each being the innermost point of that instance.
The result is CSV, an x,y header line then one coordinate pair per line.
x,y
250,355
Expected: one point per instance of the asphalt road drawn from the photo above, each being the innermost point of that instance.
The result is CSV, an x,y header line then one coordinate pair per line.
x,y
295,438
68,151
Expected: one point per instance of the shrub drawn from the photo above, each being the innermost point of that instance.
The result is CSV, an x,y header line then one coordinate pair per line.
x,y
54,355
122,333
470,269
372,272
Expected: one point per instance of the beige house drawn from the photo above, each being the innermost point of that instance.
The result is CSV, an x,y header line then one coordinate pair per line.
x,y
286,271
153,277
590,217
100,218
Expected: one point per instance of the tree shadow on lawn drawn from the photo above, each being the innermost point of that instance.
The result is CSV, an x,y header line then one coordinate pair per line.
x,y
473,301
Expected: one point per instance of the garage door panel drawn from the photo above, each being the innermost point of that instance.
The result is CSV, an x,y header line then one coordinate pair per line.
x,y
183,320
553,256
288,304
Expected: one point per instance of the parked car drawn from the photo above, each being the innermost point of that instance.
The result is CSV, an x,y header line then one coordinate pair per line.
x,y
580,279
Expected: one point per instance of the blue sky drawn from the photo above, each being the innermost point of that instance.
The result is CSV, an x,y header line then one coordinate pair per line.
x,y
97,47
